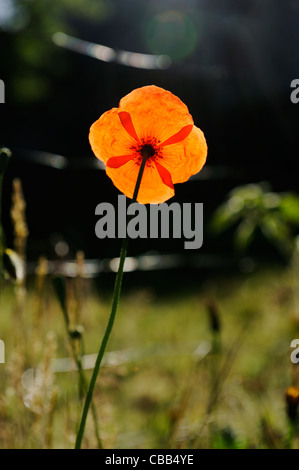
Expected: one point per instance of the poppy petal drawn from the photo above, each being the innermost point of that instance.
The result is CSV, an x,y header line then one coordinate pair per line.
x,y
126,121
108,137
116,162
179,136
160,119
152,189
155,112
165,175
186,158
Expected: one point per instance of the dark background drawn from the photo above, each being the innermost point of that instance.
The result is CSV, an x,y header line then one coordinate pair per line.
x,y
231,63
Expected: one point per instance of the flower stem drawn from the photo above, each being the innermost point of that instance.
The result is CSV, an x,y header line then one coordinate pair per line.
x,y
115,299
60,289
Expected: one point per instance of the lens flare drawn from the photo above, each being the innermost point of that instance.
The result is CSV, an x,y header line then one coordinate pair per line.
x,y
171,33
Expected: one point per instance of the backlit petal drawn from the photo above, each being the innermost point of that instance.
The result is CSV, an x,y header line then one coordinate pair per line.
x,y
153,117
185,158
179,136
116,162
126,121
152,189
108,138
165,175
156,112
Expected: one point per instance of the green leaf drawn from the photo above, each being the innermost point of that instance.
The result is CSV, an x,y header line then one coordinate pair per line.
x,y
245,233
289,208
224,217
276,230
13,265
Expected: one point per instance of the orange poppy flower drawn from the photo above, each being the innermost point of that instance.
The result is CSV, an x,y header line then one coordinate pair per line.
x,y
154,124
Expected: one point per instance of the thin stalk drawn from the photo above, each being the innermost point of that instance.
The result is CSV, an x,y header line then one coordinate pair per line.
x,y
5,155
115,299
82,378
85,387
220,377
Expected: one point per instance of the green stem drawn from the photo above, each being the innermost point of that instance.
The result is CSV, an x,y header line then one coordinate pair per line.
x,y
84,384
60,289
115,299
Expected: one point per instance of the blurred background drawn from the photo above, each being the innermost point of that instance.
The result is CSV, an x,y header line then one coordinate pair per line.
x,y
200,356
66,62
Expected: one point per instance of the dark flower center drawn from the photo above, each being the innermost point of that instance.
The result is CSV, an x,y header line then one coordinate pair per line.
x,y
147,151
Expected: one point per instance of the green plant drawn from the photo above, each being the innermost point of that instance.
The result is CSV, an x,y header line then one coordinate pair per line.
x,y
254,207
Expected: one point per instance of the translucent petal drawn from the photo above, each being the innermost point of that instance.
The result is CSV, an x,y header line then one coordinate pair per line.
x,y
108,138
152,189
126,121
155,112
116,162
165,175
186,158
179,136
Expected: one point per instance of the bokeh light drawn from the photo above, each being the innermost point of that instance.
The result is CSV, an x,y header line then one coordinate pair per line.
x,y
13,17
171,33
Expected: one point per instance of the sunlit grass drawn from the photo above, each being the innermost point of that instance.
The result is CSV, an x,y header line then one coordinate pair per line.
x,y
155,392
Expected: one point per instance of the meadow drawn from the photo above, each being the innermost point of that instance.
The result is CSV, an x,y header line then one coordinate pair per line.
x,y
203,365
199,358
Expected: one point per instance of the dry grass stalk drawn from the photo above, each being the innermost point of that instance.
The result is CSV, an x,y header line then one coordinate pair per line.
x,y
18,217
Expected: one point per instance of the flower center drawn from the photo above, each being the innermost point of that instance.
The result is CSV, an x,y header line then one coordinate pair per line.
x,y
147,151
